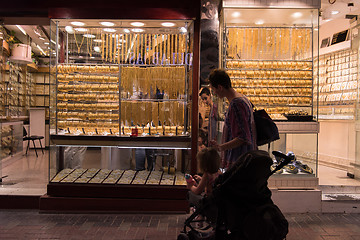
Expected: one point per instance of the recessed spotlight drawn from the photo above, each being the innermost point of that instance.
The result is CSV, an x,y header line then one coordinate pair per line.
x,y
137,24
81,29
107,24
335,12
89,35
259,22
296,14
168,24
79,24
69,29
126,30
183,30
137,30
236,14
109,30
97,40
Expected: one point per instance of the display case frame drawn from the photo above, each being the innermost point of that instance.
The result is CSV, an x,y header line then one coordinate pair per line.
x,y
258,62
58,141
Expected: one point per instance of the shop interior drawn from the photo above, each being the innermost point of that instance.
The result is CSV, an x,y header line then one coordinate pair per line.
x,y
76,84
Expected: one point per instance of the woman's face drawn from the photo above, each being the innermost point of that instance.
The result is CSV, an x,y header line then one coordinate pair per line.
x,y
206,98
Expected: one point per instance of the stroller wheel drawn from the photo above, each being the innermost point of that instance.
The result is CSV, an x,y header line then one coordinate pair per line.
x,y
183,236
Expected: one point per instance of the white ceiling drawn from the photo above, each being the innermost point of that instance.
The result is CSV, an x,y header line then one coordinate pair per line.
x,y
343,6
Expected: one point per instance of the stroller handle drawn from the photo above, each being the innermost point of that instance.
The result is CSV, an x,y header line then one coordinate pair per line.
x,y
285,160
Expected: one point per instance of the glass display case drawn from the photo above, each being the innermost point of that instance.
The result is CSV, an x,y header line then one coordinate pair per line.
x,y
123,82
271,61
338,85
123,94
11,134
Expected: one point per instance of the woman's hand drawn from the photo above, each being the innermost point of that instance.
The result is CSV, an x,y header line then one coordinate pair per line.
x,y
214,144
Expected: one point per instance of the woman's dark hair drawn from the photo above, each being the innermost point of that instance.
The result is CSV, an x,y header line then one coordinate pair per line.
x,y
205,90
219,77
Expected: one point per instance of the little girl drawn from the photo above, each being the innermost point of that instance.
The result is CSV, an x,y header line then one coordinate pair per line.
x,y
208,161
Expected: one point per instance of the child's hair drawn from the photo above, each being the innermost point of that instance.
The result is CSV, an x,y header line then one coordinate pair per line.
x,y
208,160
205,90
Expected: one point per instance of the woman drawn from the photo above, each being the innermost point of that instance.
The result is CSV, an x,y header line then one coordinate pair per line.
x,y
239,133
213,115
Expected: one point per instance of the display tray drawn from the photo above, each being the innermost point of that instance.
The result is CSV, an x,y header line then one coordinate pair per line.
x,y
299,118
120,191
106,176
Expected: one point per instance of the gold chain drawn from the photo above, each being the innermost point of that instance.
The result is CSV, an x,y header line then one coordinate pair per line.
x,y
77,45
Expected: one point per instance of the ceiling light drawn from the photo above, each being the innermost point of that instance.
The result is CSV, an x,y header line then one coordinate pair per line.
x,y
236,14
88,35
46,43
21,29
109,30
137,24
97,49
126,30
81,29
335,12
97,40
53,41
296,14
41,50
168,24
137,30
79,24
107,24
41,38
69,29
183,30
37,32
259,22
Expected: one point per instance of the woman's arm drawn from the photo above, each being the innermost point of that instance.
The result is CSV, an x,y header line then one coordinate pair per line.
x,y
236,142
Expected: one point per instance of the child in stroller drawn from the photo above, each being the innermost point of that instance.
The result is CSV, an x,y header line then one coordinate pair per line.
x,y
240,205
208,161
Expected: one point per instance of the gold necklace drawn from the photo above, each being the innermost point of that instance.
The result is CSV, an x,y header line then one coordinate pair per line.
x,y
77,45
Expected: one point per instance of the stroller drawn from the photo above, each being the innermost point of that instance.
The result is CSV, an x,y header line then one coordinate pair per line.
x,y
240,206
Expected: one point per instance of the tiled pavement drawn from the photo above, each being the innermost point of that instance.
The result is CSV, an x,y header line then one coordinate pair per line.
x,y
29,224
